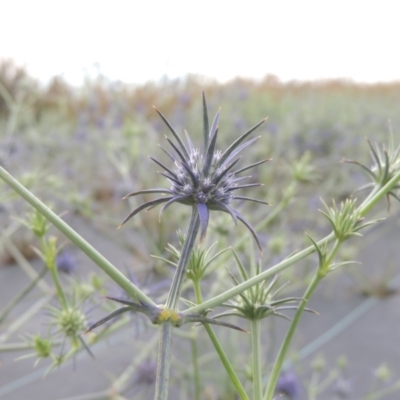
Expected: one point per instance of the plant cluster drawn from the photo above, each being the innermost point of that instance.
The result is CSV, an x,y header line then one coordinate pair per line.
x,y
209,181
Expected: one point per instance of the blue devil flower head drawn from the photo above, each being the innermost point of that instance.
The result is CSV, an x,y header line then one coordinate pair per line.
x,y
205,179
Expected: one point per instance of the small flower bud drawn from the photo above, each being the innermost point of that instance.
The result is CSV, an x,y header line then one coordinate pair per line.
x,y
41,346
71,321
38,224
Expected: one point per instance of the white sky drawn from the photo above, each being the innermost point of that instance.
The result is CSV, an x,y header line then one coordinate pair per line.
x,y
136,41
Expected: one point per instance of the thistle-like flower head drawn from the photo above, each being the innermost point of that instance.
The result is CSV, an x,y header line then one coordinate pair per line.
x,y
258,302
204,179
386,164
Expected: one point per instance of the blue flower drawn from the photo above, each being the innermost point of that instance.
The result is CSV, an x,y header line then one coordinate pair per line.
x,y
288,384
66,262
204,178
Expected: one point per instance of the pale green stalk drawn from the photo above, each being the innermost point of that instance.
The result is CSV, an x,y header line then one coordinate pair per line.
x,y
75,238
164,361
256,358
15,347
51,265
224,359
377,194
175,290
276,370
165,342
277,367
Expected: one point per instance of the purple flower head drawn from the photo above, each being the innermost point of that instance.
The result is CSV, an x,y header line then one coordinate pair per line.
x,y
66,262
288,384
203,178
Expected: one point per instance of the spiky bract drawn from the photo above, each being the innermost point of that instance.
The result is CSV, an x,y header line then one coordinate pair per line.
x,y
204,179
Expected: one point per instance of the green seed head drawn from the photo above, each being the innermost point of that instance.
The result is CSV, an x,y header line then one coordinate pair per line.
x,y
71,322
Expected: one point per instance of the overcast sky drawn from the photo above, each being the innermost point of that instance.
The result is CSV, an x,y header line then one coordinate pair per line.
x,y
136,41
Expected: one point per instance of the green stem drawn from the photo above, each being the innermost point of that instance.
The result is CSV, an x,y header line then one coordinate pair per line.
x,y
60,293
164,361
225,296
15,347
165,343
51,265
377,194
320,273
175,290
276,370
256,357
75,238
224,359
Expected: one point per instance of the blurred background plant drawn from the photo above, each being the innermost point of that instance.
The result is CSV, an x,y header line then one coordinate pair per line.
x,y
82,149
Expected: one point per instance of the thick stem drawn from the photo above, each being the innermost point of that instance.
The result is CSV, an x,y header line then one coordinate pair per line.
x,y
175,290
165,343
164,361
256,358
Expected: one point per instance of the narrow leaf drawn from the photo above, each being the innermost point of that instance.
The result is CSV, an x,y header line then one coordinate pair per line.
x,y
178,139
164,191
112,315
236,143
251,229
205,122
252,165
143,206
250,199
172,173
210,153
